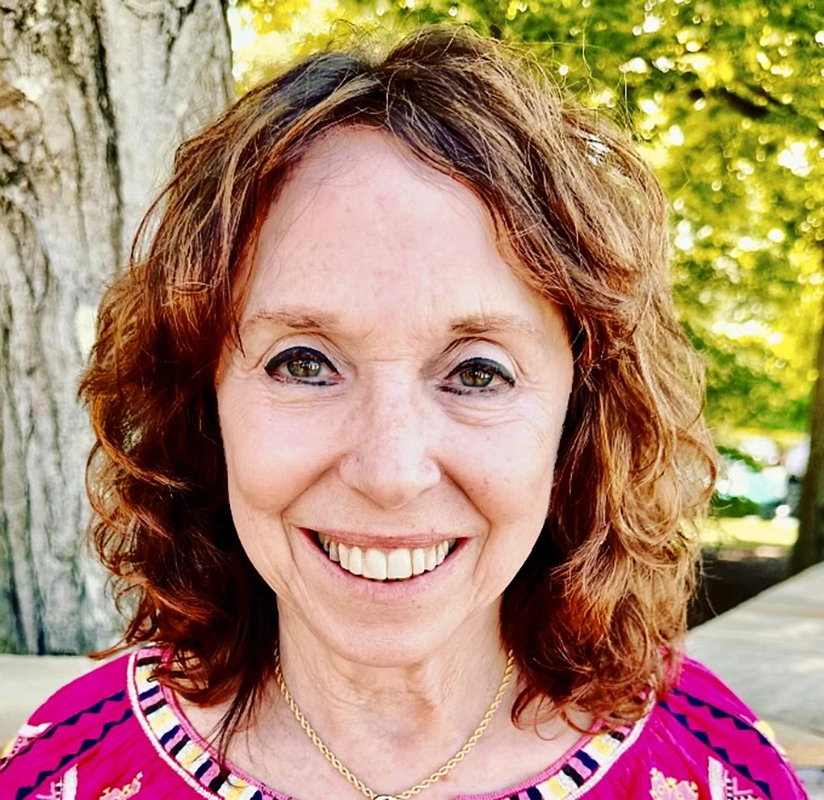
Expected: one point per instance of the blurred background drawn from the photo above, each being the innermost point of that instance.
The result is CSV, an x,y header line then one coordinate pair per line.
x,y
722,96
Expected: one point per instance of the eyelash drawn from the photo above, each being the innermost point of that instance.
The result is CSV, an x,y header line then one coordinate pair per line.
x,y
494,369
292,355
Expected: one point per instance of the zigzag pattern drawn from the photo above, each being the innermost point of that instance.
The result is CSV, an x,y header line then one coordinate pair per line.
x,y
72,720
25,791
719,713
703,736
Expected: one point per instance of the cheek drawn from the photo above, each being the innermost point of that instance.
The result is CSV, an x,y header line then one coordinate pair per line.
x,y
272,455
511,473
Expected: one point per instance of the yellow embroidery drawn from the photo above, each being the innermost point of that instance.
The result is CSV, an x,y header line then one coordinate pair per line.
x,y
555,786
234,792
603,745
129,790
765,729
662,788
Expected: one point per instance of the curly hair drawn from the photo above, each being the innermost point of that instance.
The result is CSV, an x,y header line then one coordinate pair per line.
x,y
596,613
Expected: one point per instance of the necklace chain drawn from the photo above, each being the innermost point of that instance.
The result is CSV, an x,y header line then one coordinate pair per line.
x,y
424,784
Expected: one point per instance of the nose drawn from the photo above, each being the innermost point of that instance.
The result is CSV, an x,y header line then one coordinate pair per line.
x,y
389,459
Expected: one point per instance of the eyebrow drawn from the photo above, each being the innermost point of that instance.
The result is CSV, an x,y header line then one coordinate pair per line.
x,y
480,324
300,319
297,319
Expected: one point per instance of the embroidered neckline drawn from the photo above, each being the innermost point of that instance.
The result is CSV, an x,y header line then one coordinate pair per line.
x,y
575,772
178,744
191,757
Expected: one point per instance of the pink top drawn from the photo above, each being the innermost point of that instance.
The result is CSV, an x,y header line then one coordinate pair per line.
x,y
115,733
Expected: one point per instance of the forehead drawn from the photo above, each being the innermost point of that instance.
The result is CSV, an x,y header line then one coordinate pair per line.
x,y
364,230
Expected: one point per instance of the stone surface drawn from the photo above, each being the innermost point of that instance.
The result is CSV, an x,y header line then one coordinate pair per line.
x,y
26,681
770,650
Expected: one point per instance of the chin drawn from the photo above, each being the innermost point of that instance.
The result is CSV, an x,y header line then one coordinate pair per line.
x,y
398,643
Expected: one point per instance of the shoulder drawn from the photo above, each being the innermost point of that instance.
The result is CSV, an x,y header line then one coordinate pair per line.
x,y
98,694
104,684
702,738
701,704
83,742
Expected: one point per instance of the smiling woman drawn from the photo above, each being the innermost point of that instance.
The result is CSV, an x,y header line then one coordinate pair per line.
x,y
395,429
407,439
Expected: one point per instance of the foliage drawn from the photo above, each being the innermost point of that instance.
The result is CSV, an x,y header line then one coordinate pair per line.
x,y
734,506
724,97
734,454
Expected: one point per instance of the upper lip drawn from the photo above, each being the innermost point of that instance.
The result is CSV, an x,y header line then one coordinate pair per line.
x,y
388,541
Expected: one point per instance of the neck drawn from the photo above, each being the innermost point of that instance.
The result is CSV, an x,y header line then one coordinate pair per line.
x,y
391,721
429,703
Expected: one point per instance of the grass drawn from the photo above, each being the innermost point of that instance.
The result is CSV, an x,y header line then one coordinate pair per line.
x,y
749,532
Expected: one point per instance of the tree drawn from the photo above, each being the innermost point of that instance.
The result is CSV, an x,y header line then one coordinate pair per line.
x,y
809,548
724,98
94,97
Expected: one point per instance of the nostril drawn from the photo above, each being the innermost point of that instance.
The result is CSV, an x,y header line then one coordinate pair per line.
x,y
390,478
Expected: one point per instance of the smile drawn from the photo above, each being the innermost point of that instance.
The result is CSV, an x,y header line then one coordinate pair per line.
x,y
380,565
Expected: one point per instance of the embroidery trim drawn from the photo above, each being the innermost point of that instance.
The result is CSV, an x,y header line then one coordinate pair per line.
x,y
64,788
693,725
724,786
125,792
187,756
663,788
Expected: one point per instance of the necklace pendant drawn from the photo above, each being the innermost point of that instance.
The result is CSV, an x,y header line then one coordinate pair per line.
x,y
384,797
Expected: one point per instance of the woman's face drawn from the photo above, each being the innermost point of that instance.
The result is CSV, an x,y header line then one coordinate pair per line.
x,y
392,419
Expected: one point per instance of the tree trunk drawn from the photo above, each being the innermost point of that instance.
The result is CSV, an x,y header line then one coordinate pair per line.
x,y
94,97
809,549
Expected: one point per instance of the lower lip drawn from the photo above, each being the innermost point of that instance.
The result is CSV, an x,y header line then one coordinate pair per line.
x,y
389,589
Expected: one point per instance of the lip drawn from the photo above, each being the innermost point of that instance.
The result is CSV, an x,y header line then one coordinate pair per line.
x,y
381,542
382,590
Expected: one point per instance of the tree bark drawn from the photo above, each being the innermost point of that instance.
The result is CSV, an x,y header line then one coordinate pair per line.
x,y
94,97
809,548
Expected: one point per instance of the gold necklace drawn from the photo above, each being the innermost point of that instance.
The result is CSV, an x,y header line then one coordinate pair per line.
x,y
425,784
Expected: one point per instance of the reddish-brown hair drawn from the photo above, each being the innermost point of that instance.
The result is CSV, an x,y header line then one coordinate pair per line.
x,y
595,615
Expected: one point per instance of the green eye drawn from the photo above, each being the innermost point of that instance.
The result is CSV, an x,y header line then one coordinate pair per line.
x,y
476,377
478,374
302,365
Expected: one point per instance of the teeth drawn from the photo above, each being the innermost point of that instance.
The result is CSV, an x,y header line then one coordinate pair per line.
x,y
399,564
356,561
375,566
379,565
431,558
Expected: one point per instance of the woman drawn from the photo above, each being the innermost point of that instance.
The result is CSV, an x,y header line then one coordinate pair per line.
x,y
398,441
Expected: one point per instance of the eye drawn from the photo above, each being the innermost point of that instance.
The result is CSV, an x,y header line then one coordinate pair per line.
x,y
479,374
302,365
